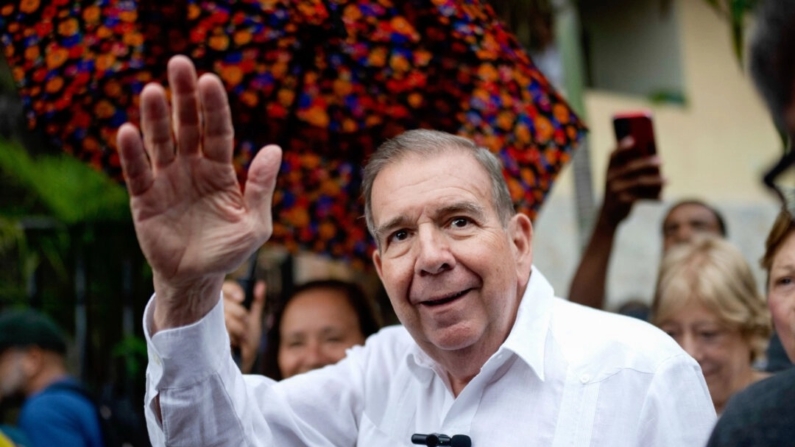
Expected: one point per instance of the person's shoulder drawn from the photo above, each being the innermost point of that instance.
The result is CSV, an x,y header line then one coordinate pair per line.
x,y
64,393
761,414
590,335
771,394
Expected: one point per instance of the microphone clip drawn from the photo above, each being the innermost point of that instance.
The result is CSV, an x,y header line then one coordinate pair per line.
x,y
440,440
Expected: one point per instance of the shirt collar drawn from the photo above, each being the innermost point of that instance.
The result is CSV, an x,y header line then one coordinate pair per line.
x,y
527,338
529,333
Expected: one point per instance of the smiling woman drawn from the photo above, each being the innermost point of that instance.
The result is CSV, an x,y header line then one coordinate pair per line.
x,y
708,301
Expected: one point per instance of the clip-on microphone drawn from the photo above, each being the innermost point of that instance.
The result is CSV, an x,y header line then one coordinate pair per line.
x,y
438,439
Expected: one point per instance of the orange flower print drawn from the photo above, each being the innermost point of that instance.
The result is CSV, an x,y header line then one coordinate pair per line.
x,y
104,62
377,57
415,100
505,120
242,37
29,6
128,16
317,116
544,130
399,63
133,39
104,109
54,85
56,57
561,113
68,27
91,14
402,26
219,42
249,98
32,53
487,72
232,74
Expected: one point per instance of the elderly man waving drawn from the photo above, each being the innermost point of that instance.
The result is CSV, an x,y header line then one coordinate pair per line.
x,y
486,354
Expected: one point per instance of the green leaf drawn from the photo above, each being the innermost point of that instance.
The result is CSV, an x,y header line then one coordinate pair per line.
x,y
71,190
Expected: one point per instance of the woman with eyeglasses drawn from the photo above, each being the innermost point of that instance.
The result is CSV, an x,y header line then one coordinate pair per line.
x,y
708,301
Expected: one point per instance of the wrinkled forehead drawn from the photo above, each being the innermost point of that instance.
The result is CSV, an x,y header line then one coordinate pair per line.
x,y
413,166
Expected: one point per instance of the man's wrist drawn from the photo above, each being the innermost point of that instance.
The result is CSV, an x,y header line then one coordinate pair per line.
x,y
184,304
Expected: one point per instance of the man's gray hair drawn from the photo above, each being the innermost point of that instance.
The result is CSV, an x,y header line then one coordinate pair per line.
x,y
772,56
425,143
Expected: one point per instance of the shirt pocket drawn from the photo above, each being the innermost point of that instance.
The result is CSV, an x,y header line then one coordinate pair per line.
x,y
370,435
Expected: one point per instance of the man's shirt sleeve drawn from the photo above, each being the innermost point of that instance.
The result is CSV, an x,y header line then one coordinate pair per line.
x,y
197,396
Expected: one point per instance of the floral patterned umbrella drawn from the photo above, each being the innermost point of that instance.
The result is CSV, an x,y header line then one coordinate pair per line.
x,y
329,80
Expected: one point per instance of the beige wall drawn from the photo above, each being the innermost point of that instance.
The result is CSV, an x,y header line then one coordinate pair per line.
x,y
715,147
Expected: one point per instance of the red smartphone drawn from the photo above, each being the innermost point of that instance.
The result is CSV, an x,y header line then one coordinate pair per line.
x,y
637,124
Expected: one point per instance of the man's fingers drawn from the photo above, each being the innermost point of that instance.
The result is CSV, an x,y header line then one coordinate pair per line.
x,y
134,164
156,125
261,183
185,104
219,134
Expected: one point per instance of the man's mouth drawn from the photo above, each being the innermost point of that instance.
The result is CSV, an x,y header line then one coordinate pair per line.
x,y
446,299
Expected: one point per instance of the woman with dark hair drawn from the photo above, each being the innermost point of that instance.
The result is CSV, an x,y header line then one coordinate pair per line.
x,y
313,327
316,325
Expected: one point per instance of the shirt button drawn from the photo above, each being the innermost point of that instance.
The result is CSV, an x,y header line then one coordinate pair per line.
x,y
157,360
585,378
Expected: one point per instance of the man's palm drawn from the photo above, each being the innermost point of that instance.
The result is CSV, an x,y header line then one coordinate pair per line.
x,y
191,217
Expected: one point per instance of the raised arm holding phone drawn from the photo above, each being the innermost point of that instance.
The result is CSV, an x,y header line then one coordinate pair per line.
x,y
486,353
633,174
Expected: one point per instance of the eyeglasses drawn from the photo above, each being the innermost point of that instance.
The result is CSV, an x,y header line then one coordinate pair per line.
x,y
774,179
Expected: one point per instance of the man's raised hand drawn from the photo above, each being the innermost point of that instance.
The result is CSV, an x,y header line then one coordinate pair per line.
x,y
193,222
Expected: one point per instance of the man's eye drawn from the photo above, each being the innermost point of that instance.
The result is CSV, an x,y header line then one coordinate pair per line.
x,y
398,236
460,222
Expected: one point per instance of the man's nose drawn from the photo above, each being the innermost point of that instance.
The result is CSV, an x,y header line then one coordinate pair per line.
x,y
434,251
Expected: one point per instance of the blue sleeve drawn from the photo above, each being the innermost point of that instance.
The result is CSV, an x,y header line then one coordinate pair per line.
x,y
60,418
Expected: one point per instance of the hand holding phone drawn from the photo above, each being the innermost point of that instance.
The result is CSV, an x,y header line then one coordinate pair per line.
x,y
637,125
633,173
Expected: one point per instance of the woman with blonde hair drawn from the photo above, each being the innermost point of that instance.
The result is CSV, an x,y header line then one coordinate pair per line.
x,y
707,300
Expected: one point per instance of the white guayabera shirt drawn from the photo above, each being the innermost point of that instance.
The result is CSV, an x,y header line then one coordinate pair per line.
x,y
566,376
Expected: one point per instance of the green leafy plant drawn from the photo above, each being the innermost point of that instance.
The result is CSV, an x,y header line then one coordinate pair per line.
x,y
70,190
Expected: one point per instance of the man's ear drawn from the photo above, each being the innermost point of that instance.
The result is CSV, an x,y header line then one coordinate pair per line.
x,y
377,262
520,230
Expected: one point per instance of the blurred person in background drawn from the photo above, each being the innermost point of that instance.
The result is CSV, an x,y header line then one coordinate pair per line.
x,y
764,414
312,328
631,177
708,301
33,366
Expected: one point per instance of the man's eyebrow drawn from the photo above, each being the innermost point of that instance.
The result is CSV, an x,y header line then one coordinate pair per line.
x,y
396,222
471,208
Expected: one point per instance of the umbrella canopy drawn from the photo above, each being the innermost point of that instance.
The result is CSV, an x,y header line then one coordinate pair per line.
x,y
328,80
